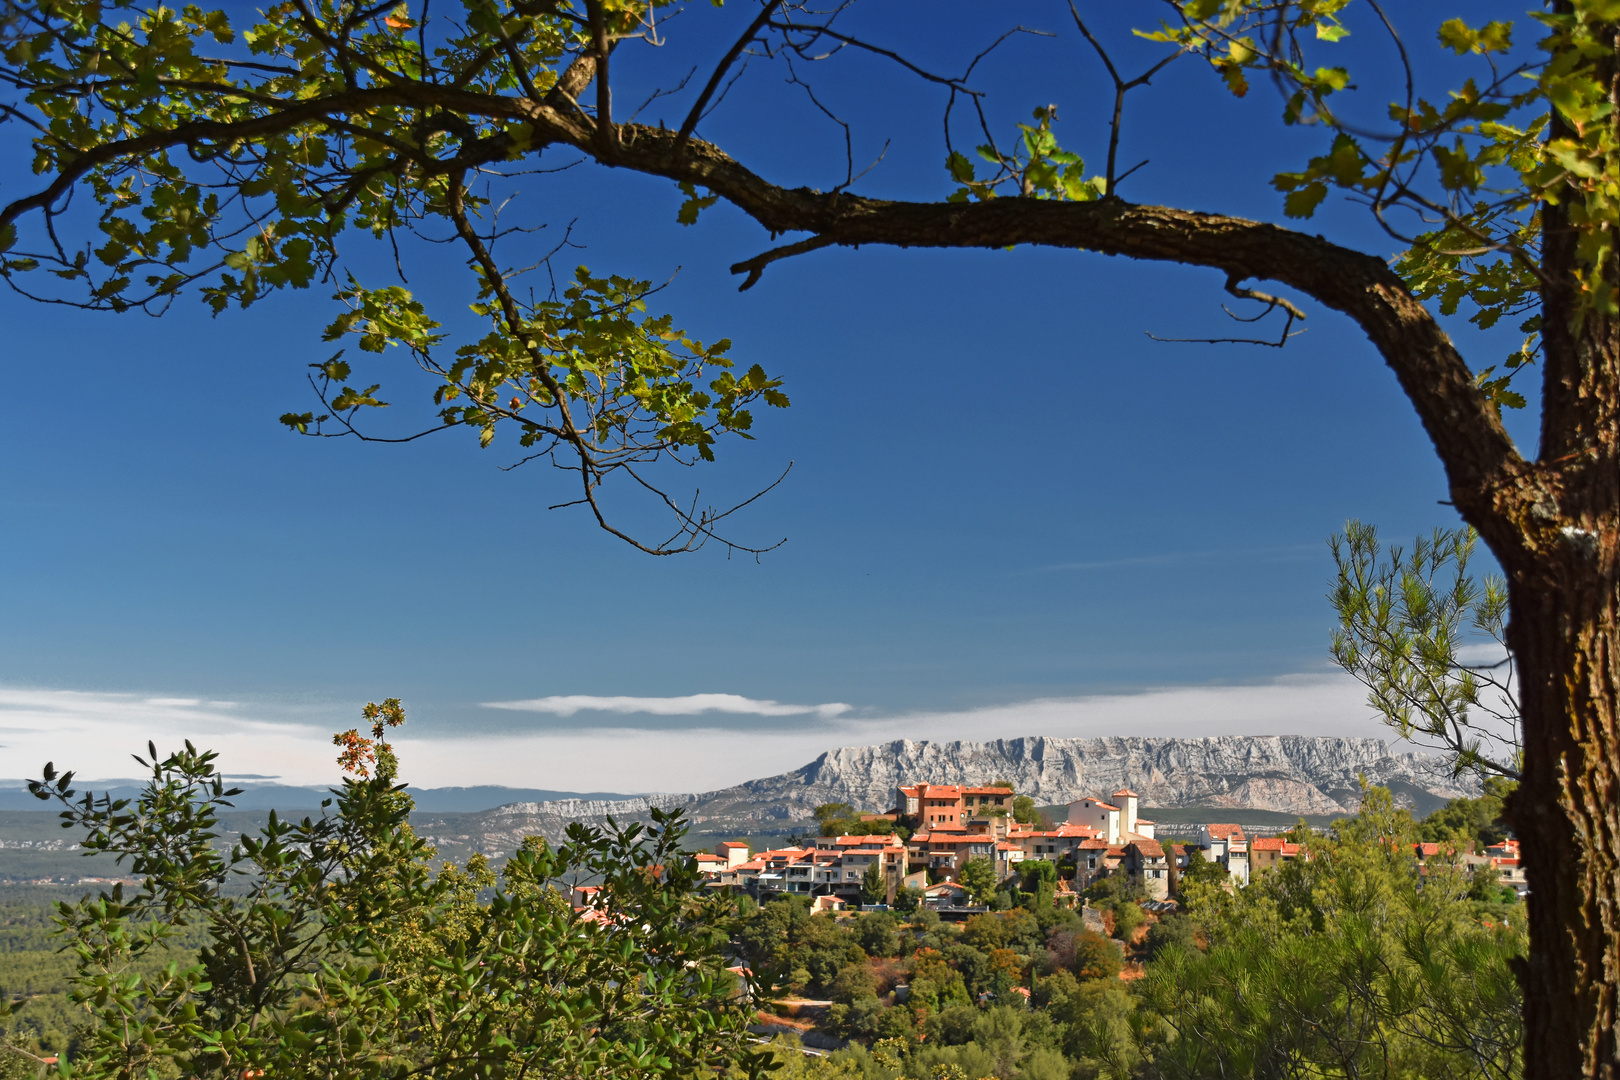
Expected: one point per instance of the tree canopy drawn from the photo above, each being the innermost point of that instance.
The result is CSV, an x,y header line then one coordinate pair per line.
x,y
238,157
331,947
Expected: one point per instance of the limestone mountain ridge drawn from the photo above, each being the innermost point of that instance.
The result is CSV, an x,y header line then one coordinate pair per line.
x,y
1293,774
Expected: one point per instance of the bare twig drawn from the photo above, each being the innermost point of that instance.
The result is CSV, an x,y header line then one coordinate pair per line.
x,y
755,267
691,122
1121,88
1272,303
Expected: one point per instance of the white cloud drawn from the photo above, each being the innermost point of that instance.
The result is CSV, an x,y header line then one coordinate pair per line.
x,y
95,734
689,705
705,758
1482,652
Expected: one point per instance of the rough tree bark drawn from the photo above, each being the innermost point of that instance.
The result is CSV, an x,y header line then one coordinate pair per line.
x,y
1561,553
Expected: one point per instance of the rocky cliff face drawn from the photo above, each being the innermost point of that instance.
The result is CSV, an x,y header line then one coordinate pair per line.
x,y
1293,774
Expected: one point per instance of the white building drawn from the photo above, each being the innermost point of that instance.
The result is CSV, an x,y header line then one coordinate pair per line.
x,y
1226,845
1116,821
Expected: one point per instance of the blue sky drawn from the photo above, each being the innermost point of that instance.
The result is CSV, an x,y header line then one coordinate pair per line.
x,y
1002,491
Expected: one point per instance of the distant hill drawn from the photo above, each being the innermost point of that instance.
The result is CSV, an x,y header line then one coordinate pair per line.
x,y
287,799
1293,775
1191,779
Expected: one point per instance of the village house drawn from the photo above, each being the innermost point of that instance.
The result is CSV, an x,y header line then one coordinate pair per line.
x,y
1104,836
1117,821
1505,857
831,876
1266,853
1145,863
945,850
945,894
1056,845
1009,853
845,860
1226,845
1096,858
1430,854
927,806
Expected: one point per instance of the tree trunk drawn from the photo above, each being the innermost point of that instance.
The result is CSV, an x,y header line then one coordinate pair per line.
x,y
1561,551
1567,816
1564,586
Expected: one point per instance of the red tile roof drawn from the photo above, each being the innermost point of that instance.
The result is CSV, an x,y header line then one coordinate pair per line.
x,y
1065,830
1148,847
733,844
1225,832
1127,792
951,791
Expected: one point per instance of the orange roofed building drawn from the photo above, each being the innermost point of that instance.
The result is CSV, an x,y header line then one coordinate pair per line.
x,y
733,852
979,809
1266,853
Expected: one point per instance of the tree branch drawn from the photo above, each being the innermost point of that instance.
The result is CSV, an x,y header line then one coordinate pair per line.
x,y
1486,471
1490,481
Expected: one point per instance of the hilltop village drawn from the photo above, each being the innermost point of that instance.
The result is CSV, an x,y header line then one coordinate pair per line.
x,y
949,847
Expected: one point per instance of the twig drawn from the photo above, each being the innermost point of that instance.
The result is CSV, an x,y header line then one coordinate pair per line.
x,y
756,266
1272,303
691,122
1121,88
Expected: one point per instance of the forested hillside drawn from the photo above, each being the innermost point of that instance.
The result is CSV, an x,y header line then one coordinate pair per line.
x,y
1349,953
